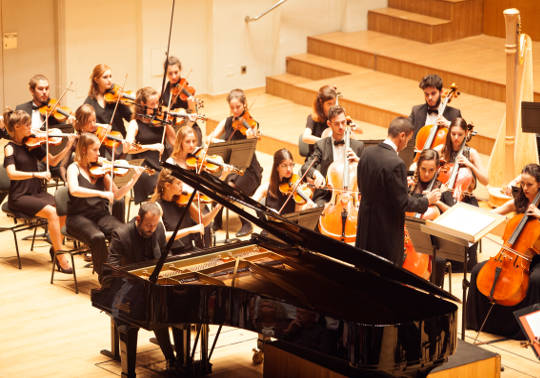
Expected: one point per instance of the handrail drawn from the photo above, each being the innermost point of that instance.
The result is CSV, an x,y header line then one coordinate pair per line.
x,y
248,19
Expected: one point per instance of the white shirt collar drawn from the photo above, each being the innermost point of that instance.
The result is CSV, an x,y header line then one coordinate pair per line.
x,y
390,143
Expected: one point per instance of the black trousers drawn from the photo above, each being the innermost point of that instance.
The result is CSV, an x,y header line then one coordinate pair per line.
x,y
94,234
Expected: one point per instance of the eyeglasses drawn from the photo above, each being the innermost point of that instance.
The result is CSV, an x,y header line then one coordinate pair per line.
x,y
286,165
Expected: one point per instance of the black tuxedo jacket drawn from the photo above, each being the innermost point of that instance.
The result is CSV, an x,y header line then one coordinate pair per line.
x,y
382,182
323,155
27,107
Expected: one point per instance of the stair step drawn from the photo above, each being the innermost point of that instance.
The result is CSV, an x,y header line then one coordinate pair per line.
x,y
318,67
410,16
434,8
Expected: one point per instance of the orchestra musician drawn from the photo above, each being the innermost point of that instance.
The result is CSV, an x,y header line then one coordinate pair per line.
x,y
470,158
100,83
428,112
27,193
382,182
282,171
168,196
149,139
89,218
317,121
174,102
328,150
501,320
224,131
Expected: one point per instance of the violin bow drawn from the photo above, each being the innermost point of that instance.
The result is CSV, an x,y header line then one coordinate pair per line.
x,y
167,55
109,126
295,187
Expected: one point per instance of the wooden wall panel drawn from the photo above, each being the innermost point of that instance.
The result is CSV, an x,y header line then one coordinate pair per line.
x,y
494,19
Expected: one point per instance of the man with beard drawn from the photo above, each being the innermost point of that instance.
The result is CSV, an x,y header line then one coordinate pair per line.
x,y
428,113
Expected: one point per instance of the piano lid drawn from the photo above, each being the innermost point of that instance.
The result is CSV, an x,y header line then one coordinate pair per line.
x,y
299,236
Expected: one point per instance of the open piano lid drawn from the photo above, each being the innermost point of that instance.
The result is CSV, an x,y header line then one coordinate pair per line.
x,y
299,236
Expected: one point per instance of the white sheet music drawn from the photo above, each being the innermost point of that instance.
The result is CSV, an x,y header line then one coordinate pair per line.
x,y
463,220
534,322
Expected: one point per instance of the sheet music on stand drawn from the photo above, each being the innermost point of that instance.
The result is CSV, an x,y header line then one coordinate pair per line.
x,y
237,153
529,321
306,218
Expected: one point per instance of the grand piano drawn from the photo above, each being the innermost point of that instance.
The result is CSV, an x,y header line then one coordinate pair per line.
x,y
353,309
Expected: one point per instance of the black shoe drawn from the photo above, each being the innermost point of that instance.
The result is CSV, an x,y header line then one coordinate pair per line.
x,y
246,229
67,270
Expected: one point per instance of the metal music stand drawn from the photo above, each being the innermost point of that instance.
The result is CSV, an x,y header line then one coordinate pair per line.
x,y
527,319
239,154
306,218
530,120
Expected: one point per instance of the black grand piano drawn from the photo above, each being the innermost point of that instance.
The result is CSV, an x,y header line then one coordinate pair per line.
x,y
356,311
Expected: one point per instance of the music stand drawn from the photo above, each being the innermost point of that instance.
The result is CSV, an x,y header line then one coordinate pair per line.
x,y
306,218
529,321
454,232
530,117
239,154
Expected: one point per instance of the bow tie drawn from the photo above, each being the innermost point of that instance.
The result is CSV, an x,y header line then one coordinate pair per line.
x,y
35,107
338,143
433,111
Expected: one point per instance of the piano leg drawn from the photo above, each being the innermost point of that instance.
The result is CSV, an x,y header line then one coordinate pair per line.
x,y
128,348
182,344
164,341
114,352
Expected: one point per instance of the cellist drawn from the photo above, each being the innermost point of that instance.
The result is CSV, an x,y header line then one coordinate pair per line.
x,y
328,150
501,320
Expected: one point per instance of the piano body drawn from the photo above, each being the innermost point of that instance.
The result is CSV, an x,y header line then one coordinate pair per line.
x,y
351,307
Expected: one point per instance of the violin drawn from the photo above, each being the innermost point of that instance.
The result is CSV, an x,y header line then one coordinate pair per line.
x,y
119,168
212,163
504,279
183,90
113,138
245,122
302,193
341,216
54,139
458,179
183,198
112,94
431,136
60,113
176,118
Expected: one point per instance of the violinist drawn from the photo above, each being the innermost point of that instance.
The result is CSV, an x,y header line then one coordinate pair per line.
x,y
39,89
382,182
282,172
328,150
168,193
174,101
100,83
316,122
26,192
250,181
501,320
428,112
149,139
89,218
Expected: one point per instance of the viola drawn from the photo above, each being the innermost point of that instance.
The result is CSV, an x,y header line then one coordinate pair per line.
x,y
60,113
504,279
54,139
341,216
183,198
302,193
182,89
431,136
115,92
119,168
244,123
211,163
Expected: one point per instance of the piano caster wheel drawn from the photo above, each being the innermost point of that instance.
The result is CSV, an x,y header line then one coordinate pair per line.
x,y
258,357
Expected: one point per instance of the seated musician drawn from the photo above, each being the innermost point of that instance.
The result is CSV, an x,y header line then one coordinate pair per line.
x,y
501,321
89,218
173,100
282,171
428,112
27,194
149,138
142,239
328,150
101,83
470,159
225,131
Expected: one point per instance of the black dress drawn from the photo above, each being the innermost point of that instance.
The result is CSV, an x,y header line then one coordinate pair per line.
x,y
104,114
277,202
501,321
251,179
27,196
179,103
316,128
171,215
147,134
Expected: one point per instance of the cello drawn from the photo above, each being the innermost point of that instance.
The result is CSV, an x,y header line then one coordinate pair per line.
x,y
340,218
431,136
504,279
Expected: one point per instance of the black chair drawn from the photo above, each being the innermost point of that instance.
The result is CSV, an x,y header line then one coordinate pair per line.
x,y
61,199
21,221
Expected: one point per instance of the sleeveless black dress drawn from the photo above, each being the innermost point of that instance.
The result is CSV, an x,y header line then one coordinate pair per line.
x,y
27,196
277,202
317,129
92,208
251,179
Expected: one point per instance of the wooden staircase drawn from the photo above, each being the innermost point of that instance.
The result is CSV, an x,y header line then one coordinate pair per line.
x,y
428,21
